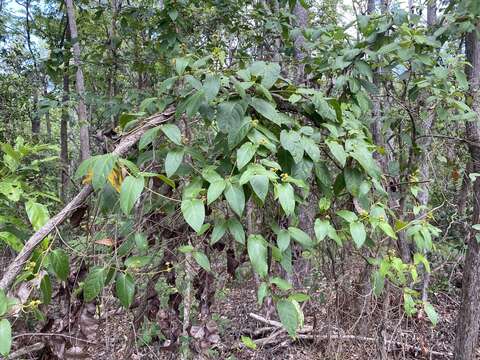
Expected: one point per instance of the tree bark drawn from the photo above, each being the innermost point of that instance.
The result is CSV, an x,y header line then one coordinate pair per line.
x,y
468,321
301,18
64,162
431,13
35,117
79,83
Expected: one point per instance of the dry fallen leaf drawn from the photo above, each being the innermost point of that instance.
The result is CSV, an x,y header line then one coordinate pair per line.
x,y
106,242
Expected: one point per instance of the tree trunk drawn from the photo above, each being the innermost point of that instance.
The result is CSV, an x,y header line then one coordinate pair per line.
x,y
64,164
48,121
79,84
431,13
301,17
35,117
468,320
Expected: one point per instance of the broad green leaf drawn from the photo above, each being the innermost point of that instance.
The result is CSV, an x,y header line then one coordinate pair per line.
x,y
172,132
387,229
46,289
230,117
262,292
102,167
292,142
172,161
11,188
299,297
248,342
235,198
259,184
286,196
180,65
347,215
11,240
148,137
323,108
321,228
288,314
202,260
283,240
94,283
125,289
257,252
138,261
3,303
5,337
130,192
300,236
269,72
431,313
218,231
193,212
358,233
60,264
37,214
245,153
236,229
337,151
193,103
211,86
215,190
281,283
266,109
311,148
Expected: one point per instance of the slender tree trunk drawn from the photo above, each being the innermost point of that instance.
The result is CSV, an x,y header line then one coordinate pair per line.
x,y
301,18
469,315
432,13
64,170
48,121
464,190
35,117
79,83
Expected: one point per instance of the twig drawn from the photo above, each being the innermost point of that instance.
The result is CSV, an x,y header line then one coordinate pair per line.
x,y
25,350
53,335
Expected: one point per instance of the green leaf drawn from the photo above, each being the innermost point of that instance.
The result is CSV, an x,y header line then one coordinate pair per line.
x,y
262,292
245,153
130,192
37,214
11,240
180,65
94,283
358,233
193,212
281,283
337,151
257,252
283,240
172,161
211,86
292,142
288,314
248,342
266,109
215,190
202,260
218,231
193,103
60,264
172,132
321,228
148,138
431,313
236,229
46,289
229,117
347,215
235,198
269,72
286,196
299,297
3,303
387,229
323,108
125,289
300,236
311,148
5,337
138,261
259,184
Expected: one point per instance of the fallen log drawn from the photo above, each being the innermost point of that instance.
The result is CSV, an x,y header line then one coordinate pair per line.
x,y
121,149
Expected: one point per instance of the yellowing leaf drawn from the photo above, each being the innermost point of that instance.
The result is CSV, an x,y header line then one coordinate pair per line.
x,y
115,178
88,178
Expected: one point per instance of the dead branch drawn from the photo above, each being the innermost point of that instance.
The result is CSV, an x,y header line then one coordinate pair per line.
x,y
306,333
122,148
25,351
